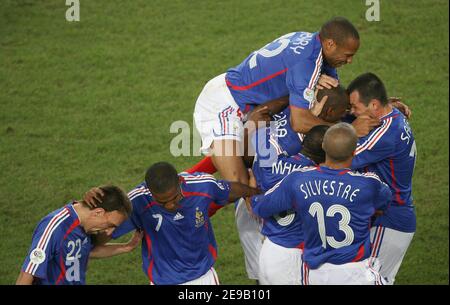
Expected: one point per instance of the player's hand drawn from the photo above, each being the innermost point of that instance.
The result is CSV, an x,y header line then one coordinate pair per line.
x,y
93,197
403,108
135,240
251,179
363,124
259,114
318,106
378,213
326,81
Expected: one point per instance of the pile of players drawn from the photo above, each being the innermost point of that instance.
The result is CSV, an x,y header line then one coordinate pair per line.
x,y
328,199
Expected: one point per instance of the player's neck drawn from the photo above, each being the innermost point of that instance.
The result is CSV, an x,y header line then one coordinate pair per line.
x,y
336,164
82,212
384,111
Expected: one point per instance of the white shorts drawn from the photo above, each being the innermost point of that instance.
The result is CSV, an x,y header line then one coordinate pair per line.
x,y
249,230
209,278
358,273
389,248
216,114
279,265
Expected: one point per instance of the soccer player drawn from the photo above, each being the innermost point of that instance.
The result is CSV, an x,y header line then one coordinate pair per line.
x,y
62,244
171,209
280,255
290,65
283,142
335,206
390,152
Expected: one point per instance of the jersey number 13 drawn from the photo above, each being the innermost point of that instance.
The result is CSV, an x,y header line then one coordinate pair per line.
x,y
316,210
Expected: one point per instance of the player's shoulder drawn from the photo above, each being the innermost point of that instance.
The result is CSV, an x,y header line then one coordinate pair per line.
x,y
197,178
140,195
54,223
364,176
306,45
304,171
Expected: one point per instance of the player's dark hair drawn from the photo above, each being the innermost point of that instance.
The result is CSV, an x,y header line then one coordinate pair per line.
x,y
312,144
369,86
338,29
161,177
115,199
337,97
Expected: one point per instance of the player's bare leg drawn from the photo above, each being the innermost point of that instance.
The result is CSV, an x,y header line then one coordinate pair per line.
x,y
227,159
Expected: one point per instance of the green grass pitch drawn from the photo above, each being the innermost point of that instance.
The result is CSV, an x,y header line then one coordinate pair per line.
x,y
91,102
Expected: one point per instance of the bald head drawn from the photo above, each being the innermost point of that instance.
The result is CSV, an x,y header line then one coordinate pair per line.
x,y
339,142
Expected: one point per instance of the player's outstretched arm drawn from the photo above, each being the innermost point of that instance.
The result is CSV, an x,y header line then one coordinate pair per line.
x,y
108,250
24,279
402,107
302,120
239,190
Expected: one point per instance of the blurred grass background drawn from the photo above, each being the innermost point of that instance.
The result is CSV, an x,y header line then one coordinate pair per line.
x,y
91,102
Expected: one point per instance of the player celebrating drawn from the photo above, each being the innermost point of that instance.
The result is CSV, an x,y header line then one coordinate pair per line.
x,y
283,142
390,152
335,206
280,255
290,65
179,246
62,244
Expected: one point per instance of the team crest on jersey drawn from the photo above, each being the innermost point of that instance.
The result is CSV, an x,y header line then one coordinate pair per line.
x,y
308,94
199,218
37,256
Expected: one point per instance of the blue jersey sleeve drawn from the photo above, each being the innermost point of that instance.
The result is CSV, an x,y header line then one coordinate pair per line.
x,y
133,222
275,200
384,196
43,249
300,81
220,191
373,148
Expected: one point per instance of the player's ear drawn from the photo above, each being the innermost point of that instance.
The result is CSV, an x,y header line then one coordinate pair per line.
x,y
374,103
330,44
98,212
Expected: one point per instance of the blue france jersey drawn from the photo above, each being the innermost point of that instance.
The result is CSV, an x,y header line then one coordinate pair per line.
x,y
390,152
283,228
335,207
278,140
60,250
290,65
178,247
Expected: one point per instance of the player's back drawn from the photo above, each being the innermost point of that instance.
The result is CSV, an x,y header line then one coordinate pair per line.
x,y
284,228
390,152
262,75
335,208
60,249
